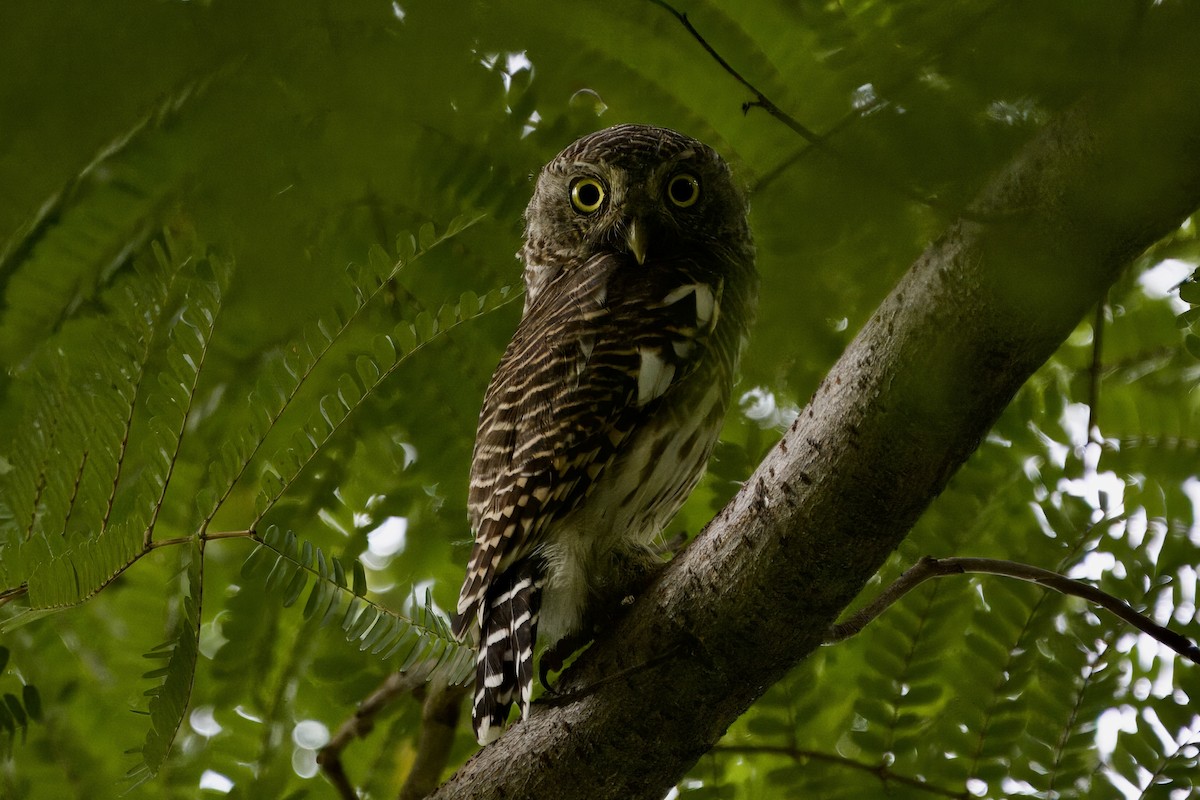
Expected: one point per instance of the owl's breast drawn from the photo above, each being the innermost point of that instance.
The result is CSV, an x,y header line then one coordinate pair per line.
x,y
634,499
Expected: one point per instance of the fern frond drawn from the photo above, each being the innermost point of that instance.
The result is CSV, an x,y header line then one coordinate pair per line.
x,y
388,352
1071,758
169,699
104,545
902,692
80,403
1138,757
283,380
65,461
93,224
284,566
1070,691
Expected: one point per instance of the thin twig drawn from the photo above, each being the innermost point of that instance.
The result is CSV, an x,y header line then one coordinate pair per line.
x,y
879,770
360,724
761,100
951,37
765,103
872,172
929,567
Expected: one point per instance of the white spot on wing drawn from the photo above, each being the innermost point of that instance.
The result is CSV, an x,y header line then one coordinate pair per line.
x,y
679,293
586,345
707,303
654,375
706,307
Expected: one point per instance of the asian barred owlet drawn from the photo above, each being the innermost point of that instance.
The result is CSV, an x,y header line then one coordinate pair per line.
x,y
599,421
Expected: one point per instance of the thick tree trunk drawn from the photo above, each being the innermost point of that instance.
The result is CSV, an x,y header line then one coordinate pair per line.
x,y
907,403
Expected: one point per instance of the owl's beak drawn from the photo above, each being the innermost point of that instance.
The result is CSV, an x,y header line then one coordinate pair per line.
x,y
638,240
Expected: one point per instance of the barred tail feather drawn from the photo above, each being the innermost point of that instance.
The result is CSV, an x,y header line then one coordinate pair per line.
x,y
504,666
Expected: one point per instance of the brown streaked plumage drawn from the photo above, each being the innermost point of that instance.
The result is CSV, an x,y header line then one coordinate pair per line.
x,y
600,418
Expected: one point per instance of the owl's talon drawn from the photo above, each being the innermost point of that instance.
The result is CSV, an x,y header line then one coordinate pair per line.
x,y
544,671
551,661
555,656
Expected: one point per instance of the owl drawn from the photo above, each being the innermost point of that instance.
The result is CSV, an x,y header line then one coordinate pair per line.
x,y
599,421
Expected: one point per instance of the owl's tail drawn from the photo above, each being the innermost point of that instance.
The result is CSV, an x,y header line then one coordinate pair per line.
x,y
504,666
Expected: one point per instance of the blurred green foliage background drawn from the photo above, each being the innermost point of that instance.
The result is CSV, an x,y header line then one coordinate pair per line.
x,y
259,160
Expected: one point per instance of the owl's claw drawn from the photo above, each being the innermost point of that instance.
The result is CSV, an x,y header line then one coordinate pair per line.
x,y
544,670
556,654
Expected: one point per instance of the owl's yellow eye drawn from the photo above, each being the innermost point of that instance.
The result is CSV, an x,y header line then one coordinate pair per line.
x,y
587,195
684,190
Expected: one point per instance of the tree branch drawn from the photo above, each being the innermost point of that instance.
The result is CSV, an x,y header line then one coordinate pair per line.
x,y
916,391
440,712
929,567
362,723
441,706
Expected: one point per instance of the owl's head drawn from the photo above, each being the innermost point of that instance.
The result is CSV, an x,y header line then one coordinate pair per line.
x,y
637,191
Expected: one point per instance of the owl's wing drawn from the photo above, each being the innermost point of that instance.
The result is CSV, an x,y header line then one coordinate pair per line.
x,y
592,355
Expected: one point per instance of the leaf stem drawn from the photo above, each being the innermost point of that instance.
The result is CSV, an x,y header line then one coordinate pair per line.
x,y
247,534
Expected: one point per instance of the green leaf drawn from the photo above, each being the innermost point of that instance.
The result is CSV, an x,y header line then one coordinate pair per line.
x,y
13,703
295,587
169,699
375,628
1189,291
360,579
427,238
33,701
